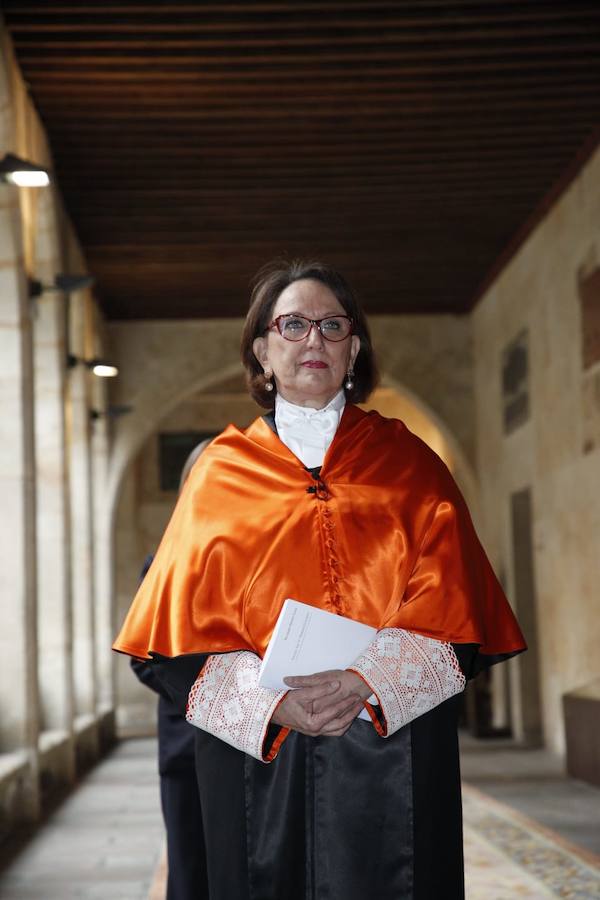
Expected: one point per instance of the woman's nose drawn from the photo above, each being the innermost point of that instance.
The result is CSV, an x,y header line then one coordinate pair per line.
x,y
314,337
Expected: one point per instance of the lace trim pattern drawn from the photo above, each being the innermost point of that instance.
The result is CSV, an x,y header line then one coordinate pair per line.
x,y
410,674
226,701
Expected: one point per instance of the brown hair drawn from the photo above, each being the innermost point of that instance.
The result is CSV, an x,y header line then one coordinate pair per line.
x,y
270,282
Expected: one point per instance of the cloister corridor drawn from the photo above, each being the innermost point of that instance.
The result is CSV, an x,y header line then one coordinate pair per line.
x,y
444,157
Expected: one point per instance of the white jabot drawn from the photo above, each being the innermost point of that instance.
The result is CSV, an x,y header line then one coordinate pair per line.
x,y
308,432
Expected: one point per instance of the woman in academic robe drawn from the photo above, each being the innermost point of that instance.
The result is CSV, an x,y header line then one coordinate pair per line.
x,y
350,512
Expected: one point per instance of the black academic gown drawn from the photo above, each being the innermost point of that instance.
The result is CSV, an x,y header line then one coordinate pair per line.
x,y
343,818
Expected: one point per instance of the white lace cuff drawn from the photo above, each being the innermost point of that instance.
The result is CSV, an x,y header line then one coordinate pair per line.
x,y
226,701
409,674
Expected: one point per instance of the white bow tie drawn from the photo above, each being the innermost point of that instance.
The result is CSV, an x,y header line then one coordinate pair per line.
x,y
308,432
307,427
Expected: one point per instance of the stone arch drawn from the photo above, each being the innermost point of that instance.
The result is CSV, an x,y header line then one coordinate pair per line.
x,y
141,426
461,468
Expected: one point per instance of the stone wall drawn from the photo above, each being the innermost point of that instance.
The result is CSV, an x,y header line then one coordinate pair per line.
x,y
550,291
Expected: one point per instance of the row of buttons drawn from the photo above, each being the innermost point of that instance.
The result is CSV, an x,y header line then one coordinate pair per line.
x,y
331,562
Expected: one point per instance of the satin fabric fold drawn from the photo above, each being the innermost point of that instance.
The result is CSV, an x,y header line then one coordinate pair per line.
x,y
383,537
333,819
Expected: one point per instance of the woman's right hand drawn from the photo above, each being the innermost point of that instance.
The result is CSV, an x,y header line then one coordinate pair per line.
x,y
295,711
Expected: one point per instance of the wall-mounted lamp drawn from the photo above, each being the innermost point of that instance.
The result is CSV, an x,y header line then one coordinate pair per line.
x,y
98,366
111,412
65,283
22,173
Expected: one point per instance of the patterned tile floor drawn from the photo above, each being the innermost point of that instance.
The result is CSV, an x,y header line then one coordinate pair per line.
x,y
507,855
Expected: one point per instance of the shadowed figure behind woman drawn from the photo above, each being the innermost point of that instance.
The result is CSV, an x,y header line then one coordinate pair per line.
x,y
180,800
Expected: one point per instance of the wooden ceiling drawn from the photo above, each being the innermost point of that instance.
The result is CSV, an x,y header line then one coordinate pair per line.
x,y
405,142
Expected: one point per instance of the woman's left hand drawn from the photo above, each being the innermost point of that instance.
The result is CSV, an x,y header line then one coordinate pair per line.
x,y
350,683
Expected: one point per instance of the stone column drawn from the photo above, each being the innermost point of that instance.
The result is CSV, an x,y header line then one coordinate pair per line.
x,y
136,709
18,650
82,555
53,525
105,629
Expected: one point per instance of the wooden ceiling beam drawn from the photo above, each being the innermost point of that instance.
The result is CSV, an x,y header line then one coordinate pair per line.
x,y
320,217
586,65
483,56
249,187
307,104
202,253
214,231
475,198
300,130
502,96
195,161
232,260
367,239
271,9
292,190
294,143
524,15
353,185
318,36
585,55
428,79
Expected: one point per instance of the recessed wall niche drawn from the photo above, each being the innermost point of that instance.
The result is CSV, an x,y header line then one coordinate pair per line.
x,y
173,450
588,288
589,297
515,382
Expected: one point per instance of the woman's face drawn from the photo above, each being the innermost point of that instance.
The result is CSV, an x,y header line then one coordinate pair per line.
x,y
311,371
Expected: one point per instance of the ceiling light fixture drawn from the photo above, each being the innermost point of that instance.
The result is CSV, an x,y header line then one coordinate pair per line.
x,y
99,367
111,412
19,171
68,284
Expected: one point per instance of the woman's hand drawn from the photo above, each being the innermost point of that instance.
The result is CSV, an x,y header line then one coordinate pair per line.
x,y
296,710
324,703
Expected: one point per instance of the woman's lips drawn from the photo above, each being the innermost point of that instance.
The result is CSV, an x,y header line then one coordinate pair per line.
x,y
315,364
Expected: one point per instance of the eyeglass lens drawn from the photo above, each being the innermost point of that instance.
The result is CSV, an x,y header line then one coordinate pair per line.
x,y
295,328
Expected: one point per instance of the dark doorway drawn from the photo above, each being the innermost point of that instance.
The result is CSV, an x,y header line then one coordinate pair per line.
x,y
528,669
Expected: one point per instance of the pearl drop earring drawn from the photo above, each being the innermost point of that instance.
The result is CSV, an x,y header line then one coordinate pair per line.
x,y
349,383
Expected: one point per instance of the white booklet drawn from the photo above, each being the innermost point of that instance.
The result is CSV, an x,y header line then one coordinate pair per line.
x,y
308,640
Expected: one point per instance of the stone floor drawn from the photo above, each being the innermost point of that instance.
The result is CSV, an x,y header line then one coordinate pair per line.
x,y
533,782
106,839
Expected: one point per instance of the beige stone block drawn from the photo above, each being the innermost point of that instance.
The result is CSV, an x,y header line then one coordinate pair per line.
x,y
591,411
10,311
8,240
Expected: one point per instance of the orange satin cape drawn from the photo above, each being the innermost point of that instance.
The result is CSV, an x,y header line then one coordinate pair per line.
x,y
384,538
